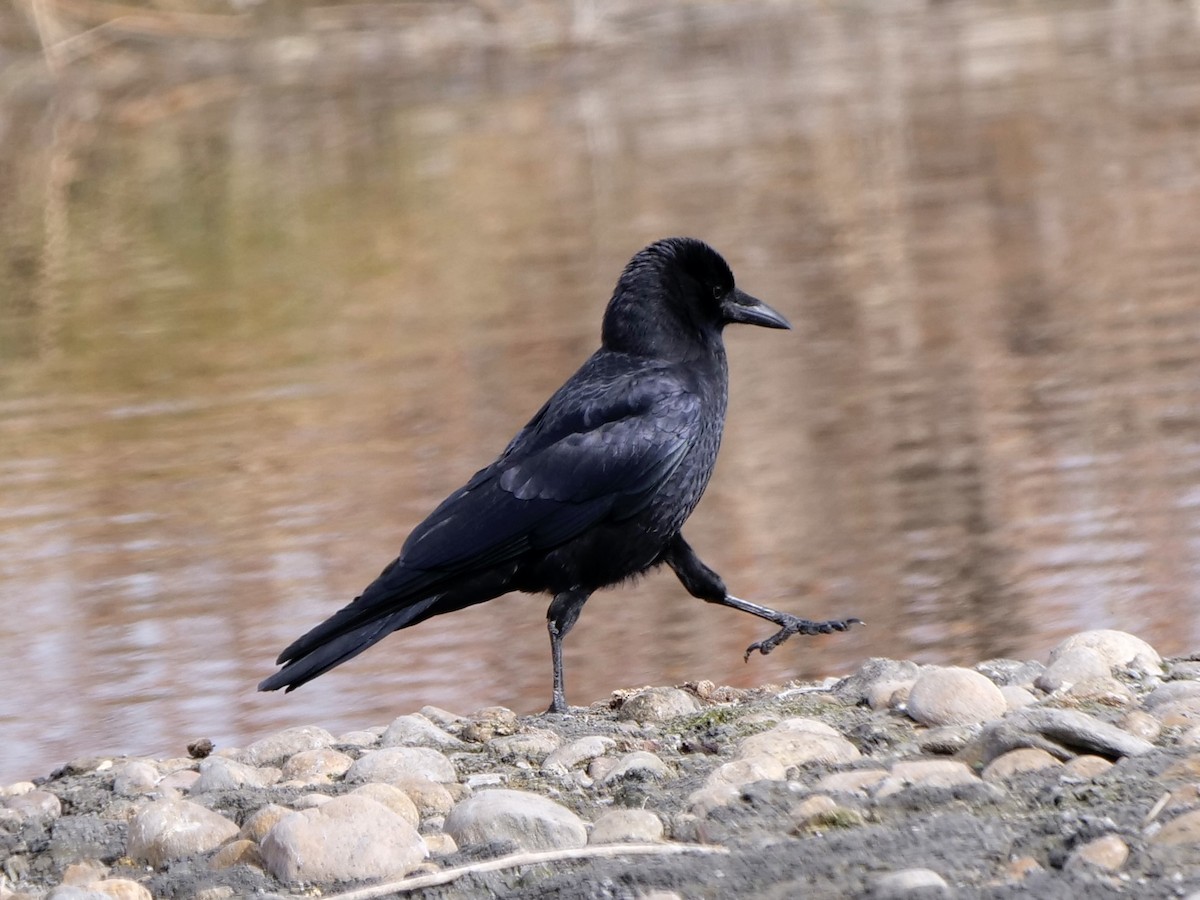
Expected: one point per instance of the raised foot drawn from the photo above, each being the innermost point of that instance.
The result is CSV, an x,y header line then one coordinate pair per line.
x,y
793,625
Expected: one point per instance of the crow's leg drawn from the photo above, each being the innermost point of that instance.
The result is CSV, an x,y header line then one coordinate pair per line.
x,y
703,582
560,617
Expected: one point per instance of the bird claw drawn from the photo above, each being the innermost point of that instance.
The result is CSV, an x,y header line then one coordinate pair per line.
x,y
795,625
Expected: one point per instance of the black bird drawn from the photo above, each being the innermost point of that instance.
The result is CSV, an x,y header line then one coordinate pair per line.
x,y
594,489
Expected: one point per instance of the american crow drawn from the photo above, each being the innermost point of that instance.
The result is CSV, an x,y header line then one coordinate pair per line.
x,y
594,489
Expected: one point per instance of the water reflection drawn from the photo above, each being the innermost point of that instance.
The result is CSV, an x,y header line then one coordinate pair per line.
x,y
253,328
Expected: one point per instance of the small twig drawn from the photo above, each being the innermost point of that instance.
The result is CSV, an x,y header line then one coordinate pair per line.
x,y
521,859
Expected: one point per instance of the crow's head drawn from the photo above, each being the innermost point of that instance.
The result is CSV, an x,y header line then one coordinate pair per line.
x,y
675,297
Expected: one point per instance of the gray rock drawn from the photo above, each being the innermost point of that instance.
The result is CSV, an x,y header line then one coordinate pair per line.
x,y
393,798
418,731
857,688
949,739
1117,649
639,765
658,704
1017,697
256,827
909,884
1062,733
276,748
530,821
316,766
349,838
1171,692
75,892
624,825
534,744
954,696
34,806
570,755
396,763
441,717
219,774
489,722
1071,667
795,742
135,777
1010,672
173,829
937,773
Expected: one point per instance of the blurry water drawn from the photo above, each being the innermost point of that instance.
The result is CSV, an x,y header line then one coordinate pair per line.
x,y
253,328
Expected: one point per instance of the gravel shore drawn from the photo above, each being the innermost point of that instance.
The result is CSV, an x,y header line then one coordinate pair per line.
x,y
1075,777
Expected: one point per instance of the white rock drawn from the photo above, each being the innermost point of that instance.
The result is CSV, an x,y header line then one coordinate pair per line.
x,y
135,777
395,763
534,744
954,696
639,765
430,797
795,742
1070,667
276,748
1015,762
1016,697
747,770
530,821
394,799
624,825
34,806
1106,853
119,889
316,766
856,781
657,704
172,829
418,731
926,773
349,838
219,774
261,821
570,755
908,883
1116,649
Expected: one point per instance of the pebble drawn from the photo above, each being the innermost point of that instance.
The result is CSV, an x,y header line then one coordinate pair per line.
x,y
948,739
275,749
856,688
1077,732
1184,829
1141,724
172,829
1016,697
530,821
349,838
570,755
856,781
489,722
220,774
261,821
1010,672
1116,648
418,731
954,696
626,825
135,777
237,853
430,797
1086,766
639,766
658,704
889,694
795,742
1105,690
34,806
441,717
533,744
909,883
926,773
316,766
359,739
1014,762
393,798
1106,853
1071,667
394,763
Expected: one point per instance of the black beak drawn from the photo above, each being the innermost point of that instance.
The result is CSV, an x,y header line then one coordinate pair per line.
x,y
741,307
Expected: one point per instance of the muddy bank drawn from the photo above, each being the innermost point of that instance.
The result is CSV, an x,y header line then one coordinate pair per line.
x,y
1077,776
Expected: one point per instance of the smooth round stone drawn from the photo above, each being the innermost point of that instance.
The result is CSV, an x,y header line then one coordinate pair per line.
x,y
277,748
1141,724
394,799
1115,648
927,773
570,755
74,892
443,718
357,739
535,745
172,829
856,688
909,883
316,766
34,806
262,821
954,696
1184,829
619,826
431,797
349,838
1014,762
135,777
529,821
1086,766
1106,853
658,704
638,766
1070,668
237,853
1105,690
889,694
856,781
1016,697
813,809
489,722
220,774
394,763
119,889
795,742
747,770
418,731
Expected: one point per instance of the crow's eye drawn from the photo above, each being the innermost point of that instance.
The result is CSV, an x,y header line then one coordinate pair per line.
x,y
718,292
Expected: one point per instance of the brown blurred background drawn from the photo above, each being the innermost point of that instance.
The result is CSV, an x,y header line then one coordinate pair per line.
x,y
276,277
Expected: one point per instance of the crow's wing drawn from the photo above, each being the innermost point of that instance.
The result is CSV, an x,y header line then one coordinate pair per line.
x,y
599,450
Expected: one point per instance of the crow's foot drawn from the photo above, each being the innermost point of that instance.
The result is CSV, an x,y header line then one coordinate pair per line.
x,y
793,625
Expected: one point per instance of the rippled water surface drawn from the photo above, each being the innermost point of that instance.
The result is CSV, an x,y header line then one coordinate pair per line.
x,y
254,325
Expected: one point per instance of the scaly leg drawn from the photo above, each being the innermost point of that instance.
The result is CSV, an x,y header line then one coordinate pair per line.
x,y
560,618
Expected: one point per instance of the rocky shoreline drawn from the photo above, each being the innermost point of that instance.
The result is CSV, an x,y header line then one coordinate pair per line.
x,y
1080,777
